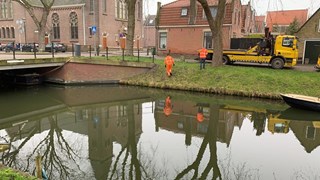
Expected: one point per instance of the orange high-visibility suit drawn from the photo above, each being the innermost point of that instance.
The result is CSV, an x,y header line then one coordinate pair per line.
x,y
200,116
203,56
167,107
169,62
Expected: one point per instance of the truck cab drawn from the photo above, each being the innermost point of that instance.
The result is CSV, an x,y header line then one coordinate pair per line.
x,y
279,53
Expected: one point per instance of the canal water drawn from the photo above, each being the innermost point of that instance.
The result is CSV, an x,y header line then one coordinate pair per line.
x,y
120,132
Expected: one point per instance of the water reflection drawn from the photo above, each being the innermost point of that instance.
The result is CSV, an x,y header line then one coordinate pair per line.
x,y
97,132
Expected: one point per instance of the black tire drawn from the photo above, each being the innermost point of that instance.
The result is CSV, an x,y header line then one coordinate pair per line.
x,y
277,63
225,60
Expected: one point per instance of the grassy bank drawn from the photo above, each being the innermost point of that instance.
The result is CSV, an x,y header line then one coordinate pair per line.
x,y
262,82
9,174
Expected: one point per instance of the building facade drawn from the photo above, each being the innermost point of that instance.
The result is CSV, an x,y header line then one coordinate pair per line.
x,y
309,39
87,22
177,34
279,21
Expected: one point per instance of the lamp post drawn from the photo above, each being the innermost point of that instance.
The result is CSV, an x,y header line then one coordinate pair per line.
x,y
25,30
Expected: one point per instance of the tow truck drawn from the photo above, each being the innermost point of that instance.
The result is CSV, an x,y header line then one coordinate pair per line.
x,y
279,52
317,66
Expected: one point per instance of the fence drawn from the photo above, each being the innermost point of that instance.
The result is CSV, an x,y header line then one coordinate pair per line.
x,y
31,50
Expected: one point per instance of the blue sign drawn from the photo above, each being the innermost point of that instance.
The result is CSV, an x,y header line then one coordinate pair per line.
x,y
94,29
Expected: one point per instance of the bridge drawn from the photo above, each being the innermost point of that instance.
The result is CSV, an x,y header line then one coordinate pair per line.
x,y
16,64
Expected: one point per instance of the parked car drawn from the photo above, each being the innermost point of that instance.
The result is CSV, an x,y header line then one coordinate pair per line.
x,y
29,48
57,47
10,46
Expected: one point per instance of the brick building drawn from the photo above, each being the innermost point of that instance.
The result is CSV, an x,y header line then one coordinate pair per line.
x,y
278,21
248,19
260,24
176,34
70,21
309,39
150,31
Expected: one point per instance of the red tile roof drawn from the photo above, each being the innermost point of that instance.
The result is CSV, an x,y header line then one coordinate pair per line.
x,y
286,17
186,3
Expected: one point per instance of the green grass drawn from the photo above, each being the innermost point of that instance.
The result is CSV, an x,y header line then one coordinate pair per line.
x,y
263,82
9,174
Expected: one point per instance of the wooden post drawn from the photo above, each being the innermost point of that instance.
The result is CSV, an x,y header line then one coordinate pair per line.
x,y
38,166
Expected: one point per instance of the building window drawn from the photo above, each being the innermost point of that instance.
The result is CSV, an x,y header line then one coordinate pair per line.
x,y
4,32
287,42
207,40
184,11
213,11
104,6
4,8
91,6
311,132
8,32
121,10
56,26
163,40
74,25
13,35
319,26
139,10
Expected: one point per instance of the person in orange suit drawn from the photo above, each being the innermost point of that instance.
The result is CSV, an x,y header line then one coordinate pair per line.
x,y
200,116
167,107
168,63
203,56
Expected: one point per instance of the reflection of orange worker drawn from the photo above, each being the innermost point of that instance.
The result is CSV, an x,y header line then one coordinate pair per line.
x,y
167,107
168,61
200,116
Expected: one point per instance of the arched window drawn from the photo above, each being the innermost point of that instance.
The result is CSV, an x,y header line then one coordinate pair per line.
x,y
4,32
13,35
55,26
74,25
8,32
121,9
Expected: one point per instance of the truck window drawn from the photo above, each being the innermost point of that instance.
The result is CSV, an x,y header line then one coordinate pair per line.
x,y
287,42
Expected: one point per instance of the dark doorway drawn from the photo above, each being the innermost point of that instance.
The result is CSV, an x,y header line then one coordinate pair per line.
x,y
312,51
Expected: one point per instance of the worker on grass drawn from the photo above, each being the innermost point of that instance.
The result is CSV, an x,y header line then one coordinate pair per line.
x,y
168,63
203,56
167,110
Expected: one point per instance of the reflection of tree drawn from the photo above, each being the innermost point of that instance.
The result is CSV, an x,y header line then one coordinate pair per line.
x,y
210,139
54,154
127,164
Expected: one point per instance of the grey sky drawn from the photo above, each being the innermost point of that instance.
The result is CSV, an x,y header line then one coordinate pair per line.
x,y
261,6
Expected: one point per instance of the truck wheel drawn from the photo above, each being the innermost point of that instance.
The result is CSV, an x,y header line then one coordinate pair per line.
x,y
225,60
277,63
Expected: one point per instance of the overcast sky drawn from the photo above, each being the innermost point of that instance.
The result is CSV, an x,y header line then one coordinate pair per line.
x,y
261,6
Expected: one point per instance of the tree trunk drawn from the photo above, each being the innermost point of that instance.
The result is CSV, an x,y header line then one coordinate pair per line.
x,y
131,4
215,25
40,24
193,12
42,28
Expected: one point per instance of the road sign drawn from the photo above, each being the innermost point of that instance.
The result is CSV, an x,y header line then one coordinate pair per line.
x,y
94,29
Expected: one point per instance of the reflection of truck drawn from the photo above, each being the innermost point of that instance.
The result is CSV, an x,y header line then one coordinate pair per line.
x,y
279,52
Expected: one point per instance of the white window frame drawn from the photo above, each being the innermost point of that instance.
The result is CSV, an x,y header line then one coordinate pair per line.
x,y
319,26
184,11
163,41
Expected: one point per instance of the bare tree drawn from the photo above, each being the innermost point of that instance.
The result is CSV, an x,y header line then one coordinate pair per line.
x,y
131,5
215,25
40,23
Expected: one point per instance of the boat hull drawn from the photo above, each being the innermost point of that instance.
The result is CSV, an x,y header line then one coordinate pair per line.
x,y
302,102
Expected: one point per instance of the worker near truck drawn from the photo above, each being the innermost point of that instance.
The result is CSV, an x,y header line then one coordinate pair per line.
x,y
203,56
168,63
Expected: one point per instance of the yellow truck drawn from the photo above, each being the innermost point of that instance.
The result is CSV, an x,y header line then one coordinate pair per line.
x,y
278,52
317,66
